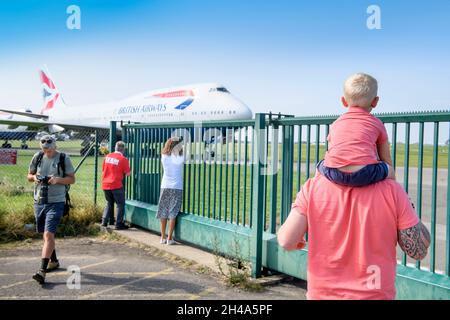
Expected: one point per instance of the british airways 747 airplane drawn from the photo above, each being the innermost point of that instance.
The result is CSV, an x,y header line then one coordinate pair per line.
x,y
197,102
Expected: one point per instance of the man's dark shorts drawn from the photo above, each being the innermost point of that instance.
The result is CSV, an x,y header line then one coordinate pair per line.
x,y
371,173
48,216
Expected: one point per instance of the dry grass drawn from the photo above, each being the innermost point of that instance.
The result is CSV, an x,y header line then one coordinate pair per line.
x,y
16,211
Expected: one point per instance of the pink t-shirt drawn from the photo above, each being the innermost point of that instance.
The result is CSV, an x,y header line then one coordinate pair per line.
x,y
353,139
352,237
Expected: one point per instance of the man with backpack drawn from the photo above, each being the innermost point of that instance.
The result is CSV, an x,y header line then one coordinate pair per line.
x,y
52,172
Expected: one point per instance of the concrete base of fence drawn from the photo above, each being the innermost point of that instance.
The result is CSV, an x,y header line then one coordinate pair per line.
x,y
231,240
293,263
209,234
415,284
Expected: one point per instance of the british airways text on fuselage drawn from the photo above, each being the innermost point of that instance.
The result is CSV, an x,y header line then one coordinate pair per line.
x,y
147,108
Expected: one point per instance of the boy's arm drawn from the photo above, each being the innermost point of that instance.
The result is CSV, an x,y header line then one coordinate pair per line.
x,y
291,233
384,152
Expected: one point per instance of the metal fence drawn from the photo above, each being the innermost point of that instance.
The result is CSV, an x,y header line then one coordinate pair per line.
x,y
247,173
212,170
421,168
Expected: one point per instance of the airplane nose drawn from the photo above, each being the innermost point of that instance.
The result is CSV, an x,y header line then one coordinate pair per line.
x,y
247,113
244,111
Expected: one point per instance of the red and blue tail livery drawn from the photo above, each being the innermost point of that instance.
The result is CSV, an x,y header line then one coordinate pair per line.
x,y
49,92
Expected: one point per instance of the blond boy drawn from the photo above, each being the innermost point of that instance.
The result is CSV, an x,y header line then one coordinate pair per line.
x,y
358,147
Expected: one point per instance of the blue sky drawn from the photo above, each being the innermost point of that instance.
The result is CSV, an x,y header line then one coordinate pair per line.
x,y
284,56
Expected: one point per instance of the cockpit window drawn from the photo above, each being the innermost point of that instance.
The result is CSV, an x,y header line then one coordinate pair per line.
x,y
222,89
219,89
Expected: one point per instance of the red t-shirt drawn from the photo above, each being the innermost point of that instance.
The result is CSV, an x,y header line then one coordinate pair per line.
x,y
115,165
353,139
352,237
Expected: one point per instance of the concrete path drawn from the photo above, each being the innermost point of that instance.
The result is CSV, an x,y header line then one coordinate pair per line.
x,y
110,268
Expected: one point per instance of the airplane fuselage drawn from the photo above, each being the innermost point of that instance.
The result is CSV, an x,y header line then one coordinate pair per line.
x,y
196,103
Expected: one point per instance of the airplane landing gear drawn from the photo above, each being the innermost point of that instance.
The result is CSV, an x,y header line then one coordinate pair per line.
x,y
6,145
24,145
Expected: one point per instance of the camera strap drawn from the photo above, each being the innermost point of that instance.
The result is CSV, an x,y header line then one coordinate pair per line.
x,y
61,163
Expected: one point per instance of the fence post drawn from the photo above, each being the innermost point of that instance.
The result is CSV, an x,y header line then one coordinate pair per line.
x,y
125,153
287,171
112,135
137,164
447,260
95,166
258,195
274,183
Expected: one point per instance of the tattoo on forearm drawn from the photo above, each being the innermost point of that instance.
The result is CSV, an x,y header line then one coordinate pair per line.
x,y
415,241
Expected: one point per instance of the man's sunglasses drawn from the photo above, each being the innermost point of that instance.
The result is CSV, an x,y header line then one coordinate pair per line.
x,y
47,141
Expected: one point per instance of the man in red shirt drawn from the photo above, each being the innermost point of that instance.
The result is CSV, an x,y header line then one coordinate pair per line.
x,y
115,165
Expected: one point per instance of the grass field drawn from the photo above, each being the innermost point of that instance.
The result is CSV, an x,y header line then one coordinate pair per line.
x,y
400,154
15,175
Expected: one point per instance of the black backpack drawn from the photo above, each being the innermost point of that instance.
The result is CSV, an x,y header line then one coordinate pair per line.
x,y
62,165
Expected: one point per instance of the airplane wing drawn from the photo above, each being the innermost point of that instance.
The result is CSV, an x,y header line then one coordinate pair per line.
x,y
36,121
26,114
53,127
30,123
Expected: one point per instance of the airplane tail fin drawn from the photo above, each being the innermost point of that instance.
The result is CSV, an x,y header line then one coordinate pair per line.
x,y
52,97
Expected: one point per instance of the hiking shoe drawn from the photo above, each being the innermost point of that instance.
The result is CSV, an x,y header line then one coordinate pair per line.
x,y
39,276
122,227
53,265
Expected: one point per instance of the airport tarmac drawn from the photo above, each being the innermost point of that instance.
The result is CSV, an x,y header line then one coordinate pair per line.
x,y
116,270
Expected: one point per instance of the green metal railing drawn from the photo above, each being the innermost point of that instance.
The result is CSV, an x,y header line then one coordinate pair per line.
x,y
217,175
315,151
247,173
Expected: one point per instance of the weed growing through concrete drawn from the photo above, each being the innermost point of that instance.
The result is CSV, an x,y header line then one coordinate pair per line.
x,y
234,268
